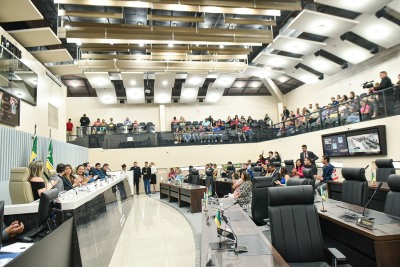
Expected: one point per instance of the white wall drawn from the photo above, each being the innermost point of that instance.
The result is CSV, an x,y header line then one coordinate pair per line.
x,y
47,92
256,106
347,80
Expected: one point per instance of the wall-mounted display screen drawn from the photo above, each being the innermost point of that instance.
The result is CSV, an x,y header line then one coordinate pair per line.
x,y
9,108
361,142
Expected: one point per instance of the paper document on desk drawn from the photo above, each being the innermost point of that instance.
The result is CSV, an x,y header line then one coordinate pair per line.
x,y
16,247
3,262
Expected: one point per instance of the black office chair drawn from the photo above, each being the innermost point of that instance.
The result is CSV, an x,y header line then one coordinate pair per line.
x,y
195,177
289,165
384,169
392,201
277,165
355,186
259,201
253,164
308,176
257,171
295,229
296,181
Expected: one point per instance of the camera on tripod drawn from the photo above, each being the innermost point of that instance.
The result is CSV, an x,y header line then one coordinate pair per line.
x,y
367,84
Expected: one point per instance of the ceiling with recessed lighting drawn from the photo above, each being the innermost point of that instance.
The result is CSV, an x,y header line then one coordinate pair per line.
x,y
181,51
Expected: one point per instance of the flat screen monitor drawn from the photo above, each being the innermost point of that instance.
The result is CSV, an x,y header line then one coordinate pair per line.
x,y
9,108
364,143
335,145
46,204
1,218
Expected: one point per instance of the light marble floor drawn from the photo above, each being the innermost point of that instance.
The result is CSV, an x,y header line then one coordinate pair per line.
x,y
155,234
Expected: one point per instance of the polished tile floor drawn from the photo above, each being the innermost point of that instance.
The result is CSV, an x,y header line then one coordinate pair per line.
x,y
155,234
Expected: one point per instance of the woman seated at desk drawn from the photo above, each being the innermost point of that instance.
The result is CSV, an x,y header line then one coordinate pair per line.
x,y
80,178
236,184
244,196
171,174
282,178
178,175
36,180
68,179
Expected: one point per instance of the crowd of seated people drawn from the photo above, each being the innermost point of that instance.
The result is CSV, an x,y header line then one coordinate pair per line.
x,y
212,130
343,109
103,127
66,176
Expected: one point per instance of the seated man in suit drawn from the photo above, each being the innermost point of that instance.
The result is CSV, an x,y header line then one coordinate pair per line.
x,y
99,172
308,163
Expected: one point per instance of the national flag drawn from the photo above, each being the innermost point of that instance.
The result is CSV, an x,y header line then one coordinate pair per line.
x,y
323,194
372,176
335,177
34,150
218,218
49,160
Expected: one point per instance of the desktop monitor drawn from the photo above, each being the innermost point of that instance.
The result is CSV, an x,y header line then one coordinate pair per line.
x,y
1,218
46,205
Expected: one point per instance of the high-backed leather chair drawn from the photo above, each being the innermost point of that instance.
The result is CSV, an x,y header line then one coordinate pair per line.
x,y
392,201
253,164
20,187
230,170
259,201
308,176
289,165
355,186
295,229
384,169
277,165
257,171
196,177
296,181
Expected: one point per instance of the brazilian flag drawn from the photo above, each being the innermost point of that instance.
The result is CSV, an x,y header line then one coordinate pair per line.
x,y
218,218
49,160
34,150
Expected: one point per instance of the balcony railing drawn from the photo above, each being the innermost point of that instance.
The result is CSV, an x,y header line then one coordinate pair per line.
x,y
382,104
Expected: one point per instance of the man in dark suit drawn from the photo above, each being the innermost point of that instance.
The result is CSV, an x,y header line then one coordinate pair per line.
x,y
385,98
385,82
146,171
136,176
307,154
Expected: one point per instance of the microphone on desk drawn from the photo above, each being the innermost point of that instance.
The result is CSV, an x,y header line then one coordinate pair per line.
x,y
376,191
366,167
236,202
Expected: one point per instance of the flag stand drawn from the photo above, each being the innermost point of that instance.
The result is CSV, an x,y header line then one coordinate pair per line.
x,y
323,199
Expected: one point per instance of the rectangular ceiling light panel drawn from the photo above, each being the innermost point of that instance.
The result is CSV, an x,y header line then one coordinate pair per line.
x,y
163,84
262,73
134,87
18,10
99,79
277,61
322,65
224,80
296,45
303,75
348,51
195,80
35,37
359,6
188,94
321,24
214,94
378,30
106,95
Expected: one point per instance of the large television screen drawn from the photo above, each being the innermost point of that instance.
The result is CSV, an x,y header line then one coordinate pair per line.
x,y
9,108
361,142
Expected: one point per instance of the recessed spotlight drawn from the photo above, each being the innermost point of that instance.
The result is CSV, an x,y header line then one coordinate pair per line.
x,y
321,26
164,83
141,44
140,23
133,82
75,84
19,94
78,43
246,46
170,45
221,46
111,43
173,24
67,26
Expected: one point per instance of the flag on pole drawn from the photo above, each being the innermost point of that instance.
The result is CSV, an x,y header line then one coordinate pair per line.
x,y
335,176
49,160
372,176
323,194
34,150
218,218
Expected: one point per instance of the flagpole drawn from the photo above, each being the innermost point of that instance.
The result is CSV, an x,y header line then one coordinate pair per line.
x,y
34,132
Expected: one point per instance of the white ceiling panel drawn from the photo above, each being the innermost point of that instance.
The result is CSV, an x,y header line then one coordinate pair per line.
x,y
303,75
262,72
106,95
29,77
3,81
395,5
214,94
359,6
54,55
188,95
134,86
276,61
348,51
163,84
194,80
18,10
225,80
322,64
19,89
35,37
321,24
295,45
65,69
99,79
379,31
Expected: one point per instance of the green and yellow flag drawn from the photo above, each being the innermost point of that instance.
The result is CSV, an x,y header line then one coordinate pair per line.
x,y
323,194
49,160
34,150
218,218
372,176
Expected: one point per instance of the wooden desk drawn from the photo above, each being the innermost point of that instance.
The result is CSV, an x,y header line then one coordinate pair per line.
x,y
362,247
377,203
185,195
223,188
243,227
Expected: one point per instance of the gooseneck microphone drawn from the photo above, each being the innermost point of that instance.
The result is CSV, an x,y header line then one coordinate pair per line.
x,y
236,202
376,191
366,167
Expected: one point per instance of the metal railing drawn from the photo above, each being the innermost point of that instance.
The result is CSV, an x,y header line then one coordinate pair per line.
x,y
382,104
